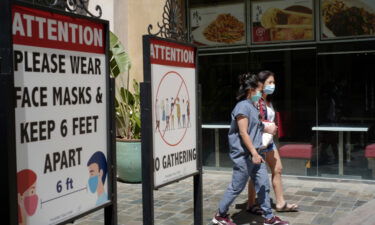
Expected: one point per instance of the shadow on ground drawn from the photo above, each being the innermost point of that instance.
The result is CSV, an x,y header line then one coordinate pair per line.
x,y
244,217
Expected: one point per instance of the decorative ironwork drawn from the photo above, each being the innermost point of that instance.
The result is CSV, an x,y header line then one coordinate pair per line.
x,y
74,6
172,24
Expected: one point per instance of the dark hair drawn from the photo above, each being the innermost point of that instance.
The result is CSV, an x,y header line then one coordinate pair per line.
x,y
247,81
264,75
99,158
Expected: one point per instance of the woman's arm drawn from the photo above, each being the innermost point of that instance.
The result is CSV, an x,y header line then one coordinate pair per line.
x,y
270,128
242,122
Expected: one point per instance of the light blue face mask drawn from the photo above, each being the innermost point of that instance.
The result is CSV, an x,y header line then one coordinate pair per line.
x,y
93,183
269,89
256,97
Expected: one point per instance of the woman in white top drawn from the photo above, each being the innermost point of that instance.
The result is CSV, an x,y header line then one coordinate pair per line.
x,y
267,113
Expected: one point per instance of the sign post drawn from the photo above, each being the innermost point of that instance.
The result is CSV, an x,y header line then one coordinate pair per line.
x,y
170,120
7,139
60,104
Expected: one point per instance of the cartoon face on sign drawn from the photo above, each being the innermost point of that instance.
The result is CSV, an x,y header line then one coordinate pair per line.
x,y
27,197
97,166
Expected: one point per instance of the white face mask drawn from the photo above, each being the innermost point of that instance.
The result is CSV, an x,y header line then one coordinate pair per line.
x,y
269,89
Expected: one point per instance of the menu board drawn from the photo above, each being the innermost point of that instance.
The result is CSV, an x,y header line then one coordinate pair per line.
x,y
282,20
218,25
347,18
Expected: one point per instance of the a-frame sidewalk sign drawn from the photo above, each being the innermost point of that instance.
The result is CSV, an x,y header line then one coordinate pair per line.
x,y
57,131
171,120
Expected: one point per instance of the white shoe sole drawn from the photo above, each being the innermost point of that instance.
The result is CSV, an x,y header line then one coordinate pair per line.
x,y
272,224
215,221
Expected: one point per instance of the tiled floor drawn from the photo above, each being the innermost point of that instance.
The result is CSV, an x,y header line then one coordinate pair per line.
x,y
321,201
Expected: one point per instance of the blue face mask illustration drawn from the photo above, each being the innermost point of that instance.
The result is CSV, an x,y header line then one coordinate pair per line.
x,y
256,97
269,89
93,183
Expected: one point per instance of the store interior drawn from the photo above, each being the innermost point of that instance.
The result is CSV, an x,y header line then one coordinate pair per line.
x,y
315,86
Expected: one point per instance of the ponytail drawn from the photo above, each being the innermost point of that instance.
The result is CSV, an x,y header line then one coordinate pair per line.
x,y
246,81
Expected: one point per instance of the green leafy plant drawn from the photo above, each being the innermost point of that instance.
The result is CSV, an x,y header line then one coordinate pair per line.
x,y
127,103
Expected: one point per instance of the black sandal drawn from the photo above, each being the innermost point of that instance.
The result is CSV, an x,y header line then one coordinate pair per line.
x,y
285,208
255,209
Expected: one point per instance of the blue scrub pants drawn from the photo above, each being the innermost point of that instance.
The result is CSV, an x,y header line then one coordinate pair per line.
x,y
243,169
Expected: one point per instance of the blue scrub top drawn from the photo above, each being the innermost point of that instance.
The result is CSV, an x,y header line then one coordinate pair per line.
x,y
255,128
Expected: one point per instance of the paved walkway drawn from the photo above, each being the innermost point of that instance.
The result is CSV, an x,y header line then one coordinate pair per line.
x,y
363,215
321,201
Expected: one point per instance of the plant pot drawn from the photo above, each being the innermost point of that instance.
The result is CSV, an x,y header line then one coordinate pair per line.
x,y
129,164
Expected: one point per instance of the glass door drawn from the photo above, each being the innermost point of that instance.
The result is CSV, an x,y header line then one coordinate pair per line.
x,y
346,104
218,77
294,99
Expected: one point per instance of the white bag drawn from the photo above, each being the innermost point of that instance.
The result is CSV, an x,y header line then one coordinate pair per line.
x,y
266,137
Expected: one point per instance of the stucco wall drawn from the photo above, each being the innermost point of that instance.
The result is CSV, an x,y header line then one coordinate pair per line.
x,y
107,9
131,19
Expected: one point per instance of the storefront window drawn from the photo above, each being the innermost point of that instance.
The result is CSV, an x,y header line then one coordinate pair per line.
x,y
325,90
294,97
218,79
346,85
295,101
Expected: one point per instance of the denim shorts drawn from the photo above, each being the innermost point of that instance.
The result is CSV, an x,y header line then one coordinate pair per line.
x,y
269,148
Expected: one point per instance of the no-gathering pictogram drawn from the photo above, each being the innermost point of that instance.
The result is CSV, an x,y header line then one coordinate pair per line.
x,y
172,108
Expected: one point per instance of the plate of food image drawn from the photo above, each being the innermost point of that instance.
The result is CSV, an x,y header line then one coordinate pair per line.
x,y
292,23
225,29
343,18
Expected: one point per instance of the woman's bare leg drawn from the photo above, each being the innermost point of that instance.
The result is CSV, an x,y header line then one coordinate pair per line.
x,y
251,194
274,162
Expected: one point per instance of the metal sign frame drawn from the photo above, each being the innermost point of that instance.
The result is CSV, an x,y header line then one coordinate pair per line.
x,y
148,185
7,116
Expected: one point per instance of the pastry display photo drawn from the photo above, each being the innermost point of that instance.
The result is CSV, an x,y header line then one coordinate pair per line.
x,y
289,22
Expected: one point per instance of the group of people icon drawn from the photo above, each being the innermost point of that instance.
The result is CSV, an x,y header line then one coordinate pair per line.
x,y
172,113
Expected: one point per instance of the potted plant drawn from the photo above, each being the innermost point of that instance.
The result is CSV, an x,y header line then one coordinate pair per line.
x,y
128,122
